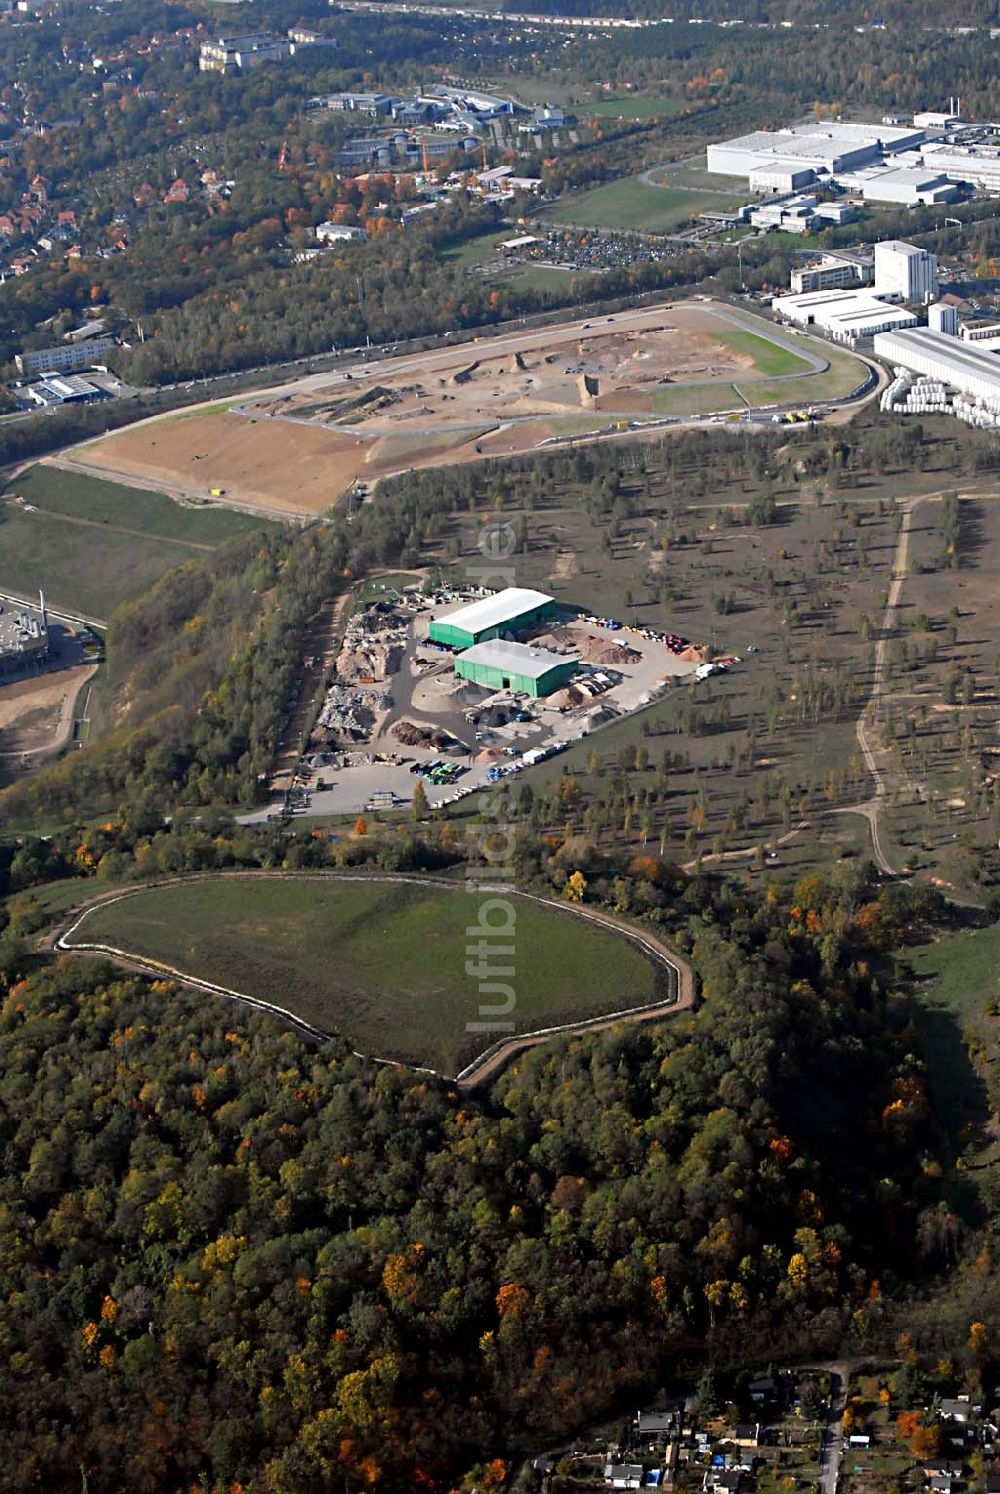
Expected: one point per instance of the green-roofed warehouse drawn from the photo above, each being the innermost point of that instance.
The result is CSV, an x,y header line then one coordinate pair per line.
x,y
500,665
509,611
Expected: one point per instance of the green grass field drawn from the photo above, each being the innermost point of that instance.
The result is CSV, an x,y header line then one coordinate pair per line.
x,y
379,588
629,203
381,962
769,358
477,251
92,544
84,497
957,975
961,971
630,106
695,399
216,407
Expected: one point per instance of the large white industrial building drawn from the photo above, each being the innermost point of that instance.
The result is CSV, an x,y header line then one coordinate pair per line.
x,y
784,158
979,165
909,186
906,272
970,369
844,315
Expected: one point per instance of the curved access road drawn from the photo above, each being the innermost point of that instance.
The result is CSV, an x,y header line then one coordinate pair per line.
x,y
61,939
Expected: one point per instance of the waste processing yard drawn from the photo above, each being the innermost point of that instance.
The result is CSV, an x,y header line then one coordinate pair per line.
x,y
402,707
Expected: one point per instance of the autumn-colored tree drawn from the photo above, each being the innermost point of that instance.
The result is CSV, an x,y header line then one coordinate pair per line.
x,y
512,1299
920,1431
979,1338
361,825
569,1194
420,807
576,886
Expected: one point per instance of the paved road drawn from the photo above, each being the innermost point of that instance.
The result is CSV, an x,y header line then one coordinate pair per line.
x,y
832,1446
67,718
20,599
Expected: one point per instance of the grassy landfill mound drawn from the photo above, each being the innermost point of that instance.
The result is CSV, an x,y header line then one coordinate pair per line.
x,y
92,544
381,962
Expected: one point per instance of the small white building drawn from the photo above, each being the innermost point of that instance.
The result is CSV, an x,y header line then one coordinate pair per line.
x,y
789,214
932,120
833,214
944,318
781,178
979,331
909,186
833,272
623,1475
337,233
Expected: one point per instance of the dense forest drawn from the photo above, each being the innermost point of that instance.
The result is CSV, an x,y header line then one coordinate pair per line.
x,y
199,670
895,14
232,1260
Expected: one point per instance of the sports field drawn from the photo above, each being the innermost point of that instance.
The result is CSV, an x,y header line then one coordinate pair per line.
x,y
630,203
384,963
91,544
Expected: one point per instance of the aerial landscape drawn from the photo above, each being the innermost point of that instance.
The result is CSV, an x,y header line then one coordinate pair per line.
x,y
499,747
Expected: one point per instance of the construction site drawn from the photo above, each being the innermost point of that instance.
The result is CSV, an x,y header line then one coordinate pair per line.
x,y
45,663
401,708
296,449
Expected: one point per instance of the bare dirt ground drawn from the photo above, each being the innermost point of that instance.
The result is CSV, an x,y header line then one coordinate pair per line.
x,y
296,448
606,368
282,466
36,715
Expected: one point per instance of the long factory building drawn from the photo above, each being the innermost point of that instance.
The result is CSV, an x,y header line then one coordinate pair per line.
x,y
510,610
845,315
970,369
500,664
784,160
